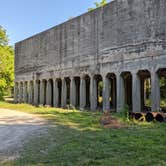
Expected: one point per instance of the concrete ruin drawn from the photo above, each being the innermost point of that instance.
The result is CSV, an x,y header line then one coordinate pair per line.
x,y
99,60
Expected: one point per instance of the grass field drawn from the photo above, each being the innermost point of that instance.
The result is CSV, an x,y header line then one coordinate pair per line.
x,y
77,139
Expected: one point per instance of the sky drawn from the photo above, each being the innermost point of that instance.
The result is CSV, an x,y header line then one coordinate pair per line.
x,y
24,18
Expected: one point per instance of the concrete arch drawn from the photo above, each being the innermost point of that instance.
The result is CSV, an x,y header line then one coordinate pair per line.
x,y
145,89
161,88
84,92
127,88
87,91
77,91
112,92
59,93
43,84
67,81
98,91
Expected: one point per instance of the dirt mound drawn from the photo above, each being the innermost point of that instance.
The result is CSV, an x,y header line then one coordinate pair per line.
x,y
107,121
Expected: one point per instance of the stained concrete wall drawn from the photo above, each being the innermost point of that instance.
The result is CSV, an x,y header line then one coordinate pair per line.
x,y
124,35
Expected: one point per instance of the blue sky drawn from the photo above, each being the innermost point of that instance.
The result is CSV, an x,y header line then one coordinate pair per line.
x,y
24,18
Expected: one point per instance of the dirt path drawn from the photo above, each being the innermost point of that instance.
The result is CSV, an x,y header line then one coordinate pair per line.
x,y
15,128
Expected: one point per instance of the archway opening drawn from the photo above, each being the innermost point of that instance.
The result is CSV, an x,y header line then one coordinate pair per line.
x,y
59,81
99,90
87,91
127,80
112,90
145,87
162,77
67,90
77,84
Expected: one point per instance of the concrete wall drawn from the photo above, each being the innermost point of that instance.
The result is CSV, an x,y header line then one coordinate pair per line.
x,y
124,35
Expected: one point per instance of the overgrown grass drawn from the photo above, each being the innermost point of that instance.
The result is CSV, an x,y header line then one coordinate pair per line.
x,y
78,139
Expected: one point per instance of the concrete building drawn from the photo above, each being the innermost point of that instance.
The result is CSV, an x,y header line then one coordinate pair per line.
x,y
102,59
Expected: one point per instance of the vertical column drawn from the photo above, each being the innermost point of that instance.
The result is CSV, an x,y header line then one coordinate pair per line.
x,y
120,92
106,90
136,92
19,92
28,88
24,92
93,93
30,93
41,92
36,92
82,93
155,91
72,92
16,92
55,89
48,93
64,93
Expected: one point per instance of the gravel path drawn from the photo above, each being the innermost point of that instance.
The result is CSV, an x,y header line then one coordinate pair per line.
x,y
15,128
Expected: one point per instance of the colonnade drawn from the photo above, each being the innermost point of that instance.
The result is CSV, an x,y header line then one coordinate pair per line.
x,y
109,91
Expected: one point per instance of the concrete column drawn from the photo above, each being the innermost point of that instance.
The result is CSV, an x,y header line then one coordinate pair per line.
x,y
55,91
36,91
32,92
93,93
28,89
120,92
64,93
136,92
155,91
48,93
30,97
24,92
41,92
82,93
16,92
19,93
72,92
106,96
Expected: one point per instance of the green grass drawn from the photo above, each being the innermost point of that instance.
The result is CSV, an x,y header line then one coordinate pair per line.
x,y
78,139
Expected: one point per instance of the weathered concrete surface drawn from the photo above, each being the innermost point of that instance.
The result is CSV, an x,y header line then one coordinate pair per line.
x,y
123,35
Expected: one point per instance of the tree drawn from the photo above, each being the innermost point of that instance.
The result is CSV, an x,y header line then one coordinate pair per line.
x,y
98,4
6,64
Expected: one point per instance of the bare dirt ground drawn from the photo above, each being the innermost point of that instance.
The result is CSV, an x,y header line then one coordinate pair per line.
x,y
15,128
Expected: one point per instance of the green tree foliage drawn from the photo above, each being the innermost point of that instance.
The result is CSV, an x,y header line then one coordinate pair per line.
x,y
6,64
98,4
